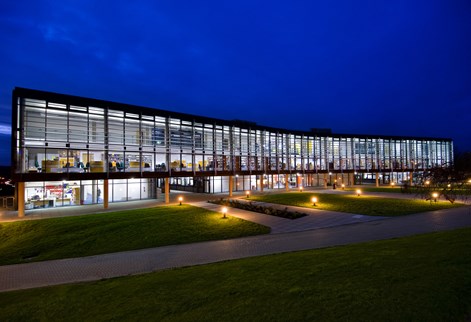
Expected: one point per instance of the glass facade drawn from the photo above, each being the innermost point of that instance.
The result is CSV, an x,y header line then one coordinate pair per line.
x,y
81,141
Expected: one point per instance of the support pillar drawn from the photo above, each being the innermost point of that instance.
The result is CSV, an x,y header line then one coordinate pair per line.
x,y
411,177
326,176
377,179
231,185
351,179
21,198
287,182
105,194
94,192
167,190
261,183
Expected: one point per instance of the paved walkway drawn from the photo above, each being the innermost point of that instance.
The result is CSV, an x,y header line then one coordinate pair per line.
x,y
92,268
315,218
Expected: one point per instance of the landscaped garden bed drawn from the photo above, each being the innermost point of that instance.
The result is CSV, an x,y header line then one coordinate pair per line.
x,y
251,206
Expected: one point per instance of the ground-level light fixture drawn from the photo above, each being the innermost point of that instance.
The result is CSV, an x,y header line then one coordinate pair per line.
x,y
224,211
301,189
392,184
314,200
247,193
358,192
427,182
343,186
180,199
435,196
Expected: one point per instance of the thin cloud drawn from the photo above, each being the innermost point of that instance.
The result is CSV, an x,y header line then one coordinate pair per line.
x,y
5,129
56,33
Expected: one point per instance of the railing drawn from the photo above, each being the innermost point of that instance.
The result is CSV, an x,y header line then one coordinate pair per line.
x,y
7,202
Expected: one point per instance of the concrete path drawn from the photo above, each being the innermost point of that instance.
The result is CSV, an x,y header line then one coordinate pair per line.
x,y
24,276
315,218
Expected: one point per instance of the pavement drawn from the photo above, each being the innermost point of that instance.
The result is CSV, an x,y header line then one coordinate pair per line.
x,y
317,230
314,219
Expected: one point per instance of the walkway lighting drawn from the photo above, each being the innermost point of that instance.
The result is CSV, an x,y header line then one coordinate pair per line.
x,y
427,182
180,199
358,192
392,184
224,211
314,200
247,193
301,189
435,196
343,186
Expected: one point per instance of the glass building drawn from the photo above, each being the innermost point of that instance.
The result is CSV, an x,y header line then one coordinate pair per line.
x,y
69,150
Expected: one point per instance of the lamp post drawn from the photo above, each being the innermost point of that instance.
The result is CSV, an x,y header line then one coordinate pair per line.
x,y
224,211
314,200
180,199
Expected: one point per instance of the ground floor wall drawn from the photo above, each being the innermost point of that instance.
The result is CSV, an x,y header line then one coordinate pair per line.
x,y
48,194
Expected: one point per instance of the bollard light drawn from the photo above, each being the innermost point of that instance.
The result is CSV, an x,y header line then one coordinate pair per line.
x,y
314,200
301,189
224,211
343,186
180,199
247,193
358,192
435,196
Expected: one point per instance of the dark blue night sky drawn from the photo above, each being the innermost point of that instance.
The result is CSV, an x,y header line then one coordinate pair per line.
x,y
366,67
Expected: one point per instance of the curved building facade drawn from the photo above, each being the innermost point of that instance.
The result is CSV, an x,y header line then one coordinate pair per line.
x,y
69,150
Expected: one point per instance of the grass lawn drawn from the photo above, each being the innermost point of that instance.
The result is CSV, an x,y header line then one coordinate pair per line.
x,y
351,203
419,278
46,239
